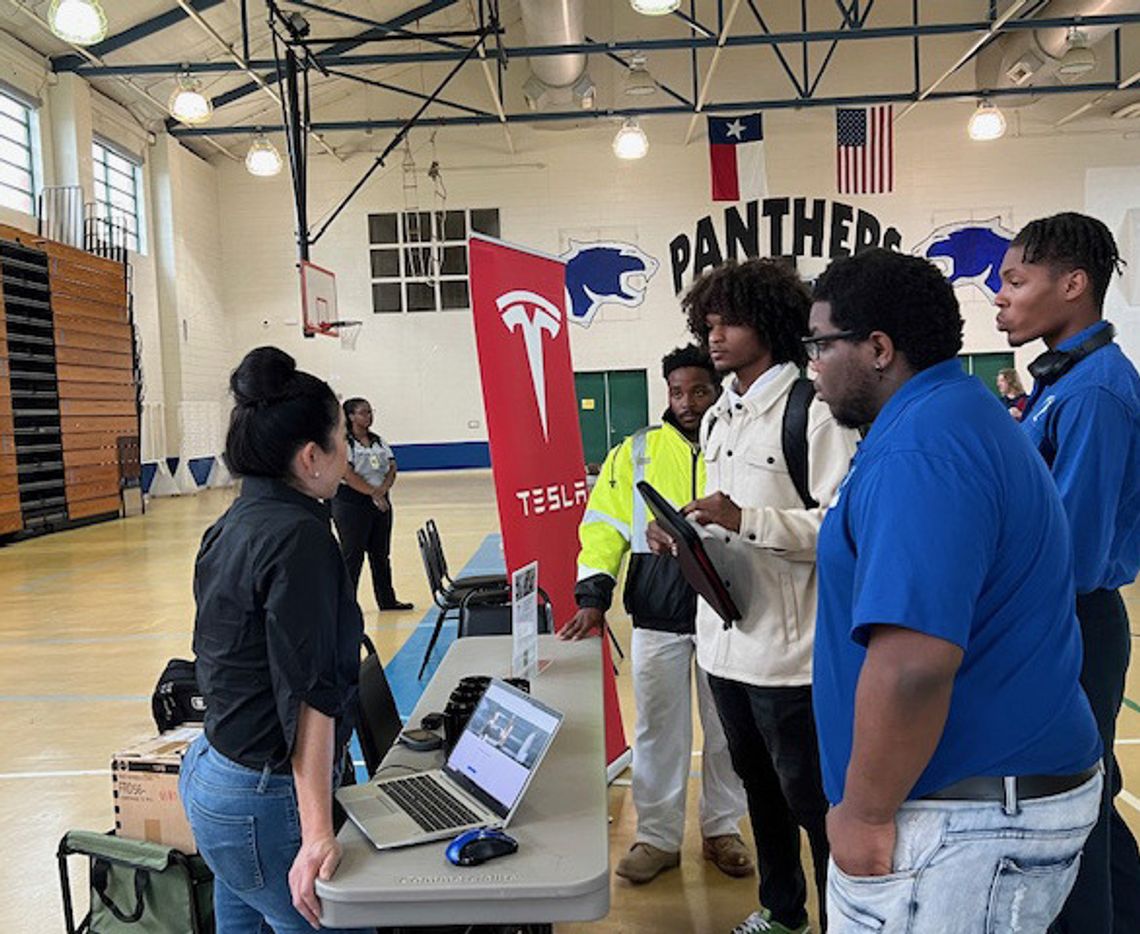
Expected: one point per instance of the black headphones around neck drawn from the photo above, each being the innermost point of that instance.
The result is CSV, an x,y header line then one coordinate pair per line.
x,y
1053,364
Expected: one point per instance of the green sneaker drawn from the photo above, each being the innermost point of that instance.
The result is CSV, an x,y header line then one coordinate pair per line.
x,y
760,922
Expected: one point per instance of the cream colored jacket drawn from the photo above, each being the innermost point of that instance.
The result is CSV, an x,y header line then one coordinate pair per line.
x,y
771,562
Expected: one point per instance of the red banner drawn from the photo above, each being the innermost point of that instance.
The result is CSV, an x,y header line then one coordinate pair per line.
x,y
521,331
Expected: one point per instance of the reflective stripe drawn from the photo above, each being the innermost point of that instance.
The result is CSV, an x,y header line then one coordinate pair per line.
x,y
639,543
595,515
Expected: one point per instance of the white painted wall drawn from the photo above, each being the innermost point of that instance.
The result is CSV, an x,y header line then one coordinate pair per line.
x,y
419,369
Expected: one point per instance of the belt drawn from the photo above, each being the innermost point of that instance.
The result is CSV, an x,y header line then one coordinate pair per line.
x,y
1024,787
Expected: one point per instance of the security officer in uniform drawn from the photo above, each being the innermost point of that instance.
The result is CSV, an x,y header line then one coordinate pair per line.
x,y
1084,417
663,607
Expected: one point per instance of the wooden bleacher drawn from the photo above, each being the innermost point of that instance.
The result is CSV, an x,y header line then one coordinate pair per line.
x,y
68,385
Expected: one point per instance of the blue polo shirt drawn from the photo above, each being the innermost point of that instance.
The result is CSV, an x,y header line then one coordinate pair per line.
x,y
1087,427
949,524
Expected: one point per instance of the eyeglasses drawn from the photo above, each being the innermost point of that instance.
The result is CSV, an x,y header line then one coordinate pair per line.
x,y
814,345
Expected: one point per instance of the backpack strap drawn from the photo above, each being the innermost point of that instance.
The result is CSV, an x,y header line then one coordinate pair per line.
x,y
794,437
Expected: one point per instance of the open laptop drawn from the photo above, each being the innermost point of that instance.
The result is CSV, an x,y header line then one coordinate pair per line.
x,y
481,785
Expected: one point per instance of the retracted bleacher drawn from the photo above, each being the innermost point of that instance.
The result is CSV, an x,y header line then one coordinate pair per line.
x,y
69,389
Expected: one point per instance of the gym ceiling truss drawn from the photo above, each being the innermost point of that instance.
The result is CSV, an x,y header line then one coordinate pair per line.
x,y
297,54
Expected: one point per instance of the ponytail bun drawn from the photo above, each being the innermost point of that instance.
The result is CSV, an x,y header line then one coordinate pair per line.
x,y
279,408
264,376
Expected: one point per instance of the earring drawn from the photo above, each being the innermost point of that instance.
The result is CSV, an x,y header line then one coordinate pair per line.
x,y
316,474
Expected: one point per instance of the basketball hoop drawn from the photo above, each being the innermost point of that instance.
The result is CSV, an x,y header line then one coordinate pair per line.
x,y
348,331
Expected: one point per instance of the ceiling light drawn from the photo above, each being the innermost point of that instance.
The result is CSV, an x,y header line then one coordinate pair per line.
x,y
631,141
1078,59
654,7
81,22
263,159
188,104
987,122
638,81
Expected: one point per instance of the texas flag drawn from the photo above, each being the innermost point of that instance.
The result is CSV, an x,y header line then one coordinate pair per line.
x,y
736,157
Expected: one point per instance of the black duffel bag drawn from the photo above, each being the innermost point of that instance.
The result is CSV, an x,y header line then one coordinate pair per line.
x,y
176,699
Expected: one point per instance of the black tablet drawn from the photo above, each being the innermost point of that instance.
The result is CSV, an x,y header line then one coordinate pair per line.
x,y
696,565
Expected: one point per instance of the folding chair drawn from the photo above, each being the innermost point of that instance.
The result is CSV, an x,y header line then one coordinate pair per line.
x,y
448,597
378,721
481,618
477,580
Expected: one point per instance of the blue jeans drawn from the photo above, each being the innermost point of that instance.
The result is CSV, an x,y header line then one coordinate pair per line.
x,y
248,830
965,867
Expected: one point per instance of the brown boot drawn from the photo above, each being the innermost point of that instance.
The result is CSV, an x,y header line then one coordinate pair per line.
x,y
729,854
644,861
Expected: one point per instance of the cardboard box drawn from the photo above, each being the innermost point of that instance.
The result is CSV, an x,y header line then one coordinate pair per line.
x,y
145,781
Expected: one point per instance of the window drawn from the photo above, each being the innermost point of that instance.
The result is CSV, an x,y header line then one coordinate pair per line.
x,y
419,258
117,198
17,178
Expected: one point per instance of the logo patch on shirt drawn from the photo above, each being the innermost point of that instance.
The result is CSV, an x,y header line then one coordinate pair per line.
x,y
1045,403
839,490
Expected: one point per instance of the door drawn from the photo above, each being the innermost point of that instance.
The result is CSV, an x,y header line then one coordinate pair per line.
x,y
590,388
628,403
612,405
985,366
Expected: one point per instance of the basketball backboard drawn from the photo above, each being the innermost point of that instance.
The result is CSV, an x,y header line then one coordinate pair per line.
x,y
318,300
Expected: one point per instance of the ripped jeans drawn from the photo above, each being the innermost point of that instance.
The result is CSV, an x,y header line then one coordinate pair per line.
x,y
965,867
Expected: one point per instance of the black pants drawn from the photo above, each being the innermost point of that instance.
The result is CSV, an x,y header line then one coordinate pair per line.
x,y
772,742
1106,896
365,530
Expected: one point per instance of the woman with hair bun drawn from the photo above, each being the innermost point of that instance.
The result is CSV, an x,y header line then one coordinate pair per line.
x,y
362,510
277,642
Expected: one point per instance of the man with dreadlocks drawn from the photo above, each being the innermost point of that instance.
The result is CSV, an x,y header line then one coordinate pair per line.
x,y
767,502
1084,417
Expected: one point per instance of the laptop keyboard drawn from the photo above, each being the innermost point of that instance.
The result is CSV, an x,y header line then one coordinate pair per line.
x,y
428,804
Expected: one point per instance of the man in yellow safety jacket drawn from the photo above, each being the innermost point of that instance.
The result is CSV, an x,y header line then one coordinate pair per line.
x,y
663,607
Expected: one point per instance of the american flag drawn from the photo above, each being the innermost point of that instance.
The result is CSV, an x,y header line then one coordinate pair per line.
x,y
864,150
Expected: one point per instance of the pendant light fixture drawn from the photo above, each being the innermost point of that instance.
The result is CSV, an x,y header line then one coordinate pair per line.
x,y
80,22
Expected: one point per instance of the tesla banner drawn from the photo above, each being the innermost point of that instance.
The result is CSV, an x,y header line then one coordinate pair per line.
x,y
518,299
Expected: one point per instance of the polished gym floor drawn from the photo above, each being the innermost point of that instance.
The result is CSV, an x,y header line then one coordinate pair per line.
x,y
90,617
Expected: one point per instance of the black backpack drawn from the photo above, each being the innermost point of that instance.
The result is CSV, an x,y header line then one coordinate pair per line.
x,y
177,699
793,437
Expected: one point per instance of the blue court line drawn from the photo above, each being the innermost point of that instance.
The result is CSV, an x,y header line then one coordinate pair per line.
x,y
404,667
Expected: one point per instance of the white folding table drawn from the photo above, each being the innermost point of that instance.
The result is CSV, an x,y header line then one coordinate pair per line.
x,y
561,870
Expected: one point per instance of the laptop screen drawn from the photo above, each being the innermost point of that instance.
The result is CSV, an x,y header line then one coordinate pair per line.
x,y
502,745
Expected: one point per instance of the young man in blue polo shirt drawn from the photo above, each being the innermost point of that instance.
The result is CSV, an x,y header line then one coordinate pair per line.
x,y
959,752
1084,418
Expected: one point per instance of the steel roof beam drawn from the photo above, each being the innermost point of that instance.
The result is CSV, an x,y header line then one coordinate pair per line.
x,y
643,45
376,32
852,100
130,36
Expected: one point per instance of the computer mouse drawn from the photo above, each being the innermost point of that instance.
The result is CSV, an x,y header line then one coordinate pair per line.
x,y
479,845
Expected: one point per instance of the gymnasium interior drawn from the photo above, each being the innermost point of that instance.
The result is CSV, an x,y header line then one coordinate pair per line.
x,y
193,179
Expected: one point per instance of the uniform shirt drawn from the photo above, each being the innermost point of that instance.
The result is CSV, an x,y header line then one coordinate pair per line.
x,y
948,524
370,461
277,624
1087,427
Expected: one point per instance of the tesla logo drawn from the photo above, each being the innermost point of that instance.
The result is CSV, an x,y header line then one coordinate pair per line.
x,y
532,314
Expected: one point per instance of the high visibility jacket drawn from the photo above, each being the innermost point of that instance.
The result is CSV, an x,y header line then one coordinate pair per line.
x,y
656,595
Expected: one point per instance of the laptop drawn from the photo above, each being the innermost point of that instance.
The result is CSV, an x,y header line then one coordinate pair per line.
x,y
696,565
481,785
